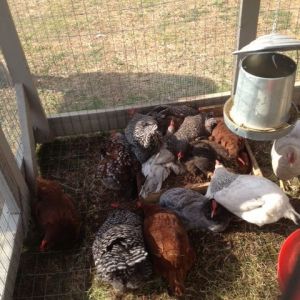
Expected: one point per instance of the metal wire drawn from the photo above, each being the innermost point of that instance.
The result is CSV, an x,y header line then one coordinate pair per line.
x,y
86,55
8,110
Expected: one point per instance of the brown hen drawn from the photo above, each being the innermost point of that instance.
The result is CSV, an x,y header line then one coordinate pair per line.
x,y
56,214
168,245
234,144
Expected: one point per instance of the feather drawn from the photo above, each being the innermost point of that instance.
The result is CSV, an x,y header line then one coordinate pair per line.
x,y
119,252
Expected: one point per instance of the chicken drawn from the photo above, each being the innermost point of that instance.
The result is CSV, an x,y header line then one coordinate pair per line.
x,y
255,199
191,128
156,170
169,246
285,155
201,160
232,143
119,251
56,215
195,210
164,114
143,135
119,170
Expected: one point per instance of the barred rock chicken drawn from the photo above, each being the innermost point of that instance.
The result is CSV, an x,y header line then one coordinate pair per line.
x,y
56,214
201,159
143,135
285,155
119,170
191,128
119,251
169,246
195,210
235,145
156,170
255,199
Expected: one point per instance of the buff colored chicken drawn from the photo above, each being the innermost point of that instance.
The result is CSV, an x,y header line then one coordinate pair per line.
x,y
169,246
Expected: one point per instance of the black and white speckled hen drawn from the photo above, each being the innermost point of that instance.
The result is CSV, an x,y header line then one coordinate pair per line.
x,y
119,251
143,135
192,127
119,170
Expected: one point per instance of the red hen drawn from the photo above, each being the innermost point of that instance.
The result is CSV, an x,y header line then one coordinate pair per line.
x,y
56,214
169,246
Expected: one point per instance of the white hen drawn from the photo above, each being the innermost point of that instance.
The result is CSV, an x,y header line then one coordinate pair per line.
x,y
255,199
156,170
285,155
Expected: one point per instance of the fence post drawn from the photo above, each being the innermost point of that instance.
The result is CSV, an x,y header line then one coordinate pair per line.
x,y
14,179
30,164
247,29
19,71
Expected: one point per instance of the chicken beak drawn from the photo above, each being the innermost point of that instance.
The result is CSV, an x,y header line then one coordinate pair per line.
x,y
43,245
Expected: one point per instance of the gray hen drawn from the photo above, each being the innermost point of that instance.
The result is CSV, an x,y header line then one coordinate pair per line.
x,y
195,210
143,135
202,159
119,251
191,128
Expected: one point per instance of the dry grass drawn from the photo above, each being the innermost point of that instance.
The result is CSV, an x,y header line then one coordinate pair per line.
x,y
87,54
237,264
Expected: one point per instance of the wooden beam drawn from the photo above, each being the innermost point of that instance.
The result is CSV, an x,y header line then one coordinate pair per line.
x,y
247,29
14,179
89,121
19,71
28,142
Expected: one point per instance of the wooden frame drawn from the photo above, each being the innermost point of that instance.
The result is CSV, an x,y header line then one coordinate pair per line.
x,y
19,71
248,19
27,138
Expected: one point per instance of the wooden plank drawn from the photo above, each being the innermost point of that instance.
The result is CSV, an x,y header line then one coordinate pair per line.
x,y
88,121
14,179
247,29
28,142
19,71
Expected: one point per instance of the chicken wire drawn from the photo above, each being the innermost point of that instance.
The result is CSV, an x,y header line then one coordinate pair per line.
x,y
88,54
9,218
284,18
9,119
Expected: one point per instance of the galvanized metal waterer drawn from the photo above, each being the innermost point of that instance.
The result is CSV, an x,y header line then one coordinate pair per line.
x,y
262,107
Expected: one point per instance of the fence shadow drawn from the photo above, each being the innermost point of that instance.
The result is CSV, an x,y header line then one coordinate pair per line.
x,y
98,90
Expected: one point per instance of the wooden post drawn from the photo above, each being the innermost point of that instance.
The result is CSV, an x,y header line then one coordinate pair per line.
x,y
30,164
248,18
19,71
14,179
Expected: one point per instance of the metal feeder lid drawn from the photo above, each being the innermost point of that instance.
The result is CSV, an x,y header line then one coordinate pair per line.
x,y
269,43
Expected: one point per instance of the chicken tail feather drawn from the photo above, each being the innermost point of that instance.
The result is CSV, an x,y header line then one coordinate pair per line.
x,y
292,215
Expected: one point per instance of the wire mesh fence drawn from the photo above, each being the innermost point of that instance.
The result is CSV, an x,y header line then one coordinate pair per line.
x,y
8,110
87,55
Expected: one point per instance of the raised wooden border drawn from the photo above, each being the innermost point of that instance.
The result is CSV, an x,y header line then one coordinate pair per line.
x,y
89,121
